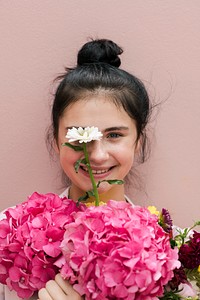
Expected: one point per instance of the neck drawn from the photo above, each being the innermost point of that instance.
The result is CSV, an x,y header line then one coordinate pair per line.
x,y
116,192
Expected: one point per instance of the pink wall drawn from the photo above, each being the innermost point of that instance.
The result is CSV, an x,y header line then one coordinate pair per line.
x,y
162,46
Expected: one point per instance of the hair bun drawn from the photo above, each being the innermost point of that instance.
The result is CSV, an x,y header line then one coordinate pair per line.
x,y
101,50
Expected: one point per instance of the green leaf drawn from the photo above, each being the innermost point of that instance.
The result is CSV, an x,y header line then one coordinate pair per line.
x,y
84,161
193,275
76,148
90,193
115,181
87,195
112,181
78,162
173,243
83,198
170,295
77,165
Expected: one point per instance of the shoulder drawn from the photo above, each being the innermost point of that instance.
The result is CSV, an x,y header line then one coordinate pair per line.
x,y
2,294
128,200
65,193
2,216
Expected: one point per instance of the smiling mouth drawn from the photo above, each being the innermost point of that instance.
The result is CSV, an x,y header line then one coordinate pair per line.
x,y
96,171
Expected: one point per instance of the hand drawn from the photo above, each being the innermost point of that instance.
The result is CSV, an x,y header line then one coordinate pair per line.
x,y
58,289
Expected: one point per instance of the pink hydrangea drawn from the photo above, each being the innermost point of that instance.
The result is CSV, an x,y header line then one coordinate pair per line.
x,y
117,251
30,238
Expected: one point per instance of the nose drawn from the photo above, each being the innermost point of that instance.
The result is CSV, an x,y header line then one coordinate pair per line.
x,y
97,152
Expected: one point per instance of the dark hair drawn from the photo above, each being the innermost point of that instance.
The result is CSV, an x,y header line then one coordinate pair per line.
x,y
98,71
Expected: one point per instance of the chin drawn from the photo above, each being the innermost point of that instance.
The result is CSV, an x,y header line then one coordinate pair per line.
x,y
104,188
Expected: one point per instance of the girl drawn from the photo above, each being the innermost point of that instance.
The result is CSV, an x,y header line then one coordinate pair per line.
x,y
97,93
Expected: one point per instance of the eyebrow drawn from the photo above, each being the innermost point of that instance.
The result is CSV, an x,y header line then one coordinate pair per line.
x,y
115,128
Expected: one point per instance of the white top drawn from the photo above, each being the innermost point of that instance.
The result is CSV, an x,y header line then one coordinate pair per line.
x,y
5,293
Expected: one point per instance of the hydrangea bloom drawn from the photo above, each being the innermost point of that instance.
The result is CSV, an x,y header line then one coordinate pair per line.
x,y
117,251
83,135
30,237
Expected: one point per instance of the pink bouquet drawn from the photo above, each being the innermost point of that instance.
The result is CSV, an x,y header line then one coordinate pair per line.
x,y
114,251
30,238
117,251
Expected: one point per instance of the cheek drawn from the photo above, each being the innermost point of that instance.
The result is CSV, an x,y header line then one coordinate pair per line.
x,y
127,159
125,153
68,157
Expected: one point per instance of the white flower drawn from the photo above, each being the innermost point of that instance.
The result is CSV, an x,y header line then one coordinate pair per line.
x,y
177,232
189,291
83,135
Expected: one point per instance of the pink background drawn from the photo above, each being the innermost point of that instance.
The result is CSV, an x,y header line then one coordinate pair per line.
x,y
161,41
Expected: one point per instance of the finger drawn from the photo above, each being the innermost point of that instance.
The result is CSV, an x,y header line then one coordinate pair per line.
x,y
67,288
44,295
55,291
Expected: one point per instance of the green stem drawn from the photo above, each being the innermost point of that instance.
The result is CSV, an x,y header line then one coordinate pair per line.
x,y
96,194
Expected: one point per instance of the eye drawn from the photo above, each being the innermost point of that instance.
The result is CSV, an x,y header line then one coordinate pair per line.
x,y
114,135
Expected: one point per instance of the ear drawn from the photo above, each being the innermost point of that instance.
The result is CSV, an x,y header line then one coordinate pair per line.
x,y
138,145
56,147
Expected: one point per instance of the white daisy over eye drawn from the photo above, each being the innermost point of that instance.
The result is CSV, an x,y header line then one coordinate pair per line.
x,y
83,135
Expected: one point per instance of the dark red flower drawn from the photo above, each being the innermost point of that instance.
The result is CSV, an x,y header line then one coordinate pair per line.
x,y
179,277
189,253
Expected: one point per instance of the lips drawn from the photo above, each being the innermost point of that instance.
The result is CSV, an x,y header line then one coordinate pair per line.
x,y
98,171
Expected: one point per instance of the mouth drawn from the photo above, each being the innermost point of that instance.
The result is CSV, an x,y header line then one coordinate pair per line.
x,y
96,172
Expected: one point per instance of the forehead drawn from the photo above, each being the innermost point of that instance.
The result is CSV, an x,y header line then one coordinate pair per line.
x,y
99,111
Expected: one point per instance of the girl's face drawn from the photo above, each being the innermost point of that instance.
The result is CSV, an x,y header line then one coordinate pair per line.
x,y
110,158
